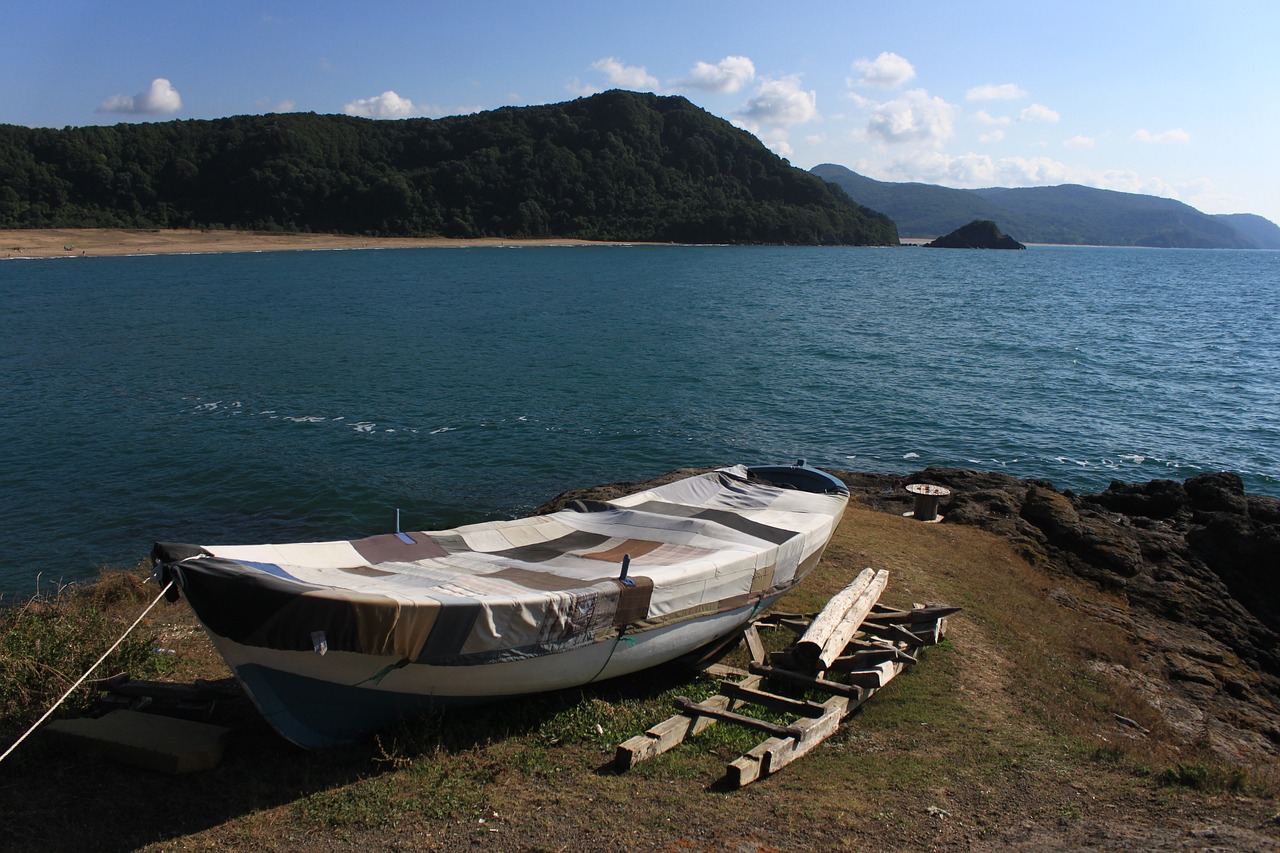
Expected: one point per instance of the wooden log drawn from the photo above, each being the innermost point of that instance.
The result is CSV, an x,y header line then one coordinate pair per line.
x,y
848,626
688,706
839,620
811,644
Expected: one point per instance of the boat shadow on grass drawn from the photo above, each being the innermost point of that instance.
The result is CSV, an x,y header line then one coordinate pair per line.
x,y
434,766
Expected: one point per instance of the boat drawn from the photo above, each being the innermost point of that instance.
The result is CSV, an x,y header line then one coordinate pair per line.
x,y
334,640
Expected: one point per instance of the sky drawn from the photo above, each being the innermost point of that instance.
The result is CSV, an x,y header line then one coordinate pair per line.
x,y
1177,98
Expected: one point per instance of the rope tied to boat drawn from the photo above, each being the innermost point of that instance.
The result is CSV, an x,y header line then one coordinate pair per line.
x,y
87,673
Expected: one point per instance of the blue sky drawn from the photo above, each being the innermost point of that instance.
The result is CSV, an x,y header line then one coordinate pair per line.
x,y
1175,98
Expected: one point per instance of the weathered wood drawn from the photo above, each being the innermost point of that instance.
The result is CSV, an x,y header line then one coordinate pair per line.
x,y
708,710
895,633
772,701
776,752
721,670
848,691
875,677
753,644
814,640
864,658
852,620
839,620
931,613
670,732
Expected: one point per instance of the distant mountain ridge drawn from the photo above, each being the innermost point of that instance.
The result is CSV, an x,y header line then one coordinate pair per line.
x,y
1069,214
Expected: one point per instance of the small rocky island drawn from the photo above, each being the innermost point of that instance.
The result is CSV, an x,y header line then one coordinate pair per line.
x,y
978,234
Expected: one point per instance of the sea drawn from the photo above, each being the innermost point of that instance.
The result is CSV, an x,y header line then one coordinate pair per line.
x,y
299,396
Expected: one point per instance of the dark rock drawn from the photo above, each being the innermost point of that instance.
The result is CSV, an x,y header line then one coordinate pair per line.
x,y
1222,492
1157,499
978,234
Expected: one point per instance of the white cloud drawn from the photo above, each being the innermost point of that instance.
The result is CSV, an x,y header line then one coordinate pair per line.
x,y
986,118
626,76
887,71
728,75
386,105
780,103
916,117
990,92
993,136
160,98
1039,112
1176,136
1079,141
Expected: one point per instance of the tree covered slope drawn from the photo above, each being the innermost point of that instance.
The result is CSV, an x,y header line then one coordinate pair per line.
x,y
615,166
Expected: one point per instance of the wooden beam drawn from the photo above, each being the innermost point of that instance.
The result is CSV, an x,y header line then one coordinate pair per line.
x,y
775,753
688,706
772,701
931,613
753,644
670,732
849,691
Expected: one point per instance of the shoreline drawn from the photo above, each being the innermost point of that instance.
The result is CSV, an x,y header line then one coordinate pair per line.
x,y
38,243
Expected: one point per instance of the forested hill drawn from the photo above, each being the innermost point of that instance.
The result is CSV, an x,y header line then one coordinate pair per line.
x,y
614,166
1064,214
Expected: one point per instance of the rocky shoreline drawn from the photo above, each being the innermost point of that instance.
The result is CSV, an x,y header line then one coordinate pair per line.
x,y
1191,571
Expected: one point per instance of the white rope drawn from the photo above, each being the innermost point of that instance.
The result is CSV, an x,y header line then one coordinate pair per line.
x,y
72,688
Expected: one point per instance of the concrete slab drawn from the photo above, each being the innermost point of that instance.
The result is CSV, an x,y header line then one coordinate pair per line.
x,y
164,744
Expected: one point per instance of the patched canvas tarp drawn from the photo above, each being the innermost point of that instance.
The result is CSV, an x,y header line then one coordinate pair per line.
x,y
510,589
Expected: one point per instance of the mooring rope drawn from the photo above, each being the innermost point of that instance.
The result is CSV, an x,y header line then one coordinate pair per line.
x,y
87,673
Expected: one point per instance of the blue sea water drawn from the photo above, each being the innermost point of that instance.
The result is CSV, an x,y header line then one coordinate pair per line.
x,y
297,396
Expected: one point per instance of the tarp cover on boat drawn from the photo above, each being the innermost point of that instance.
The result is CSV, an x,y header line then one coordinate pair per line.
x,y
505,590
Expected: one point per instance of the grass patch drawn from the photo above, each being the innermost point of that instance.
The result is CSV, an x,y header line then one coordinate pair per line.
x,y
49,641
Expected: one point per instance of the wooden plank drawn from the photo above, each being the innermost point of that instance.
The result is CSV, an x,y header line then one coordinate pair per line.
x,y
720,670
875,677
705,709
931,613
753,644
775,753
670,732
811,682
772,701
864,658
895,633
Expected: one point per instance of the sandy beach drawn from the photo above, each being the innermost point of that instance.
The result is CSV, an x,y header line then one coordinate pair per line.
x,y
97,242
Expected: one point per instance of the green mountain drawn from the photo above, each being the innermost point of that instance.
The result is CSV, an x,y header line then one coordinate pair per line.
x,y
1262,231
615,166
1065,214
